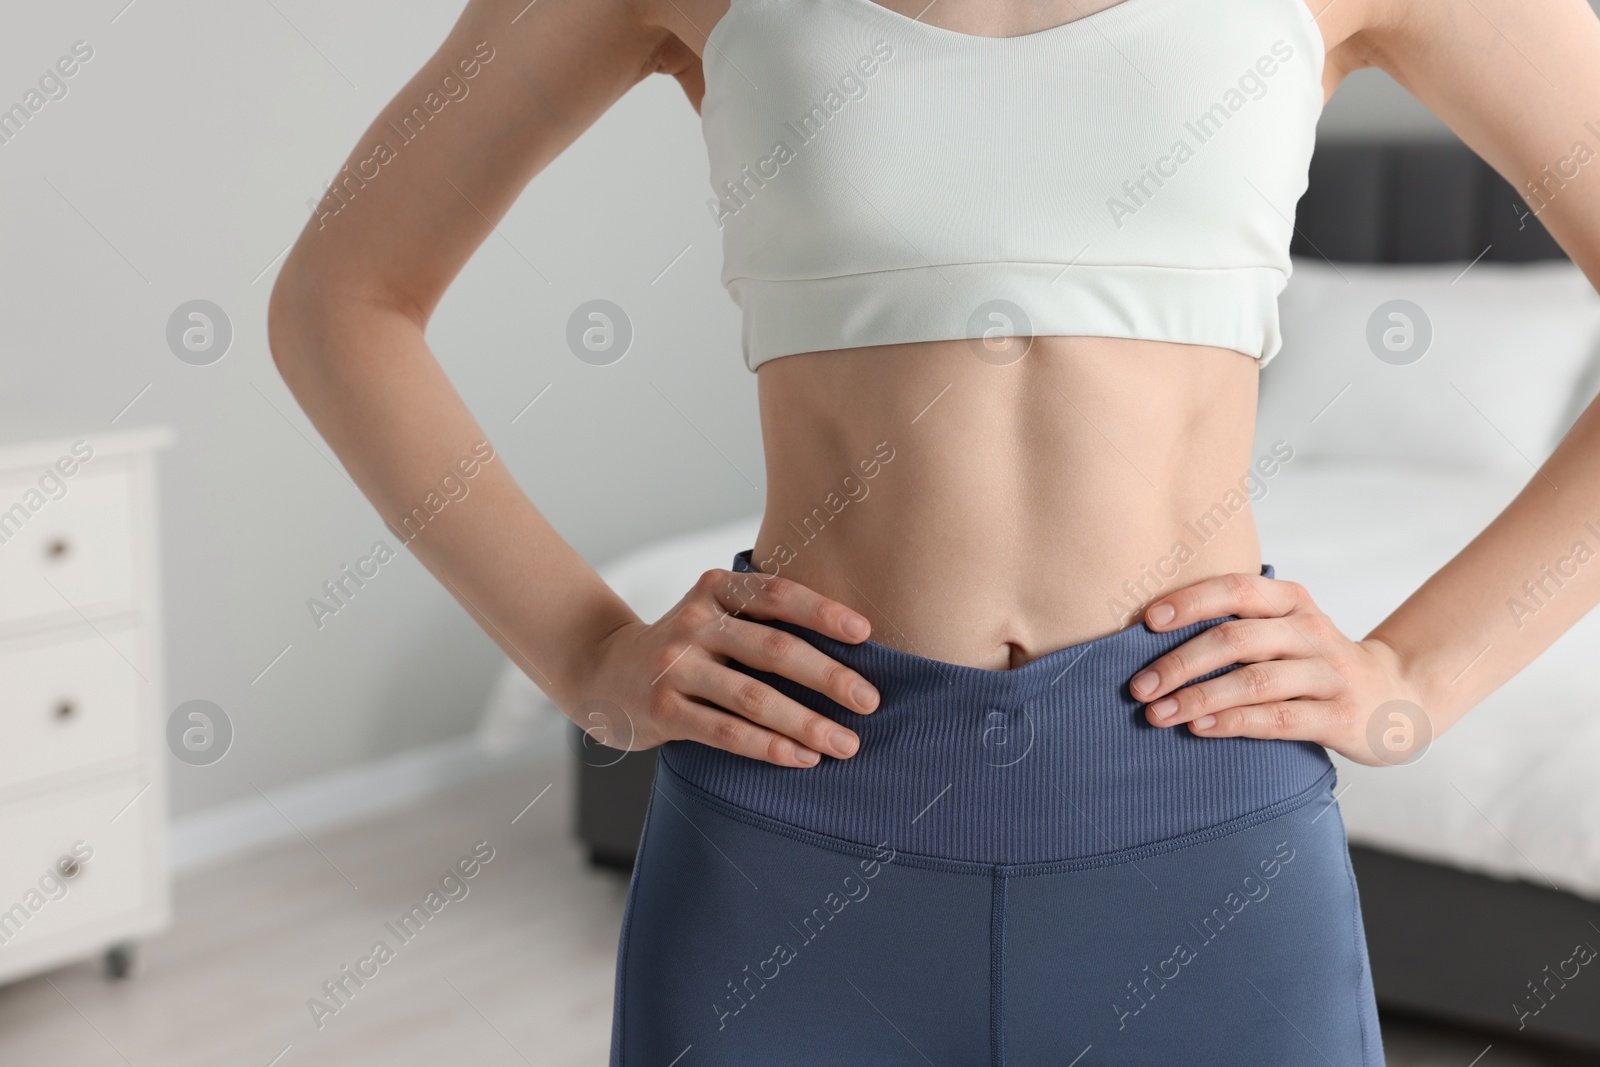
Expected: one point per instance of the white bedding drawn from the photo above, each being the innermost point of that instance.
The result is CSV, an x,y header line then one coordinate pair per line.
x,y
1512,791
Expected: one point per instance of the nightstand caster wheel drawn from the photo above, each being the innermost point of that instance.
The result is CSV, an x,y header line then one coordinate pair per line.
x,y
119,960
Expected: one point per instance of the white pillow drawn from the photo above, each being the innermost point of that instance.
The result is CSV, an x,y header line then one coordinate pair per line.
x,y
1511,359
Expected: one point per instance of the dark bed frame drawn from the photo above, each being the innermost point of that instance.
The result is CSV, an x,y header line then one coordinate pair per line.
x,y
1445,944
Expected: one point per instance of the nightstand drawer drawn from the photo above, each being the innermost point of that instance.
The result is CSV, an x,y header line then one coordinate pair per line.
x,y
72,550
66,864
69,704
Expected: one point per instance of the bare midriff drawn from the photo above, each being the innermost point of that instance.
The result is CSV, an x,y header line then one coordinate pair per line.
x,y
986,513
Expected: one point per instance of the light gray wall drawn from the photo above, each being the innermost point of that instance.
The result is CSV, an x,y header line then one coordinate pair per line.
x,y
179,166
1368,103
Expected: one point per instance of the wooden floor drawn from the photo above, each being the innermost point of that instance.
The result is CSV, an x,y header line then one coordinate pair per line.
x,y
519,971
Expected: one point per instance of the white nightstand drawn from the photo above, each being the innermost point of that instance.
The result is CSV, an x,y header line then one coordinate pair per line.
x,y
83,797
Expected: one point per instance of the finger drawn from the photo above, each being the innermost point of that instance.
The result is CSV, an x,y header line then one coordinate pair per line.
x,y
1286,720
765,596
1219,646
1249,596
775,651
753,699
1251,685
721,729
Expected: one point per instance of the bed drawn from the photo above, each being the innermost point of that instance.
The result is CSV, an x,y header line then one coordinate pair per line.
x,y
1479,863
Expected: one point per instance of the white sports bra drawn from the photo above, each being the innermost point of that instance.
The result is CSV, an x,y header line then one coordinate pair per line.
x,y
1132,173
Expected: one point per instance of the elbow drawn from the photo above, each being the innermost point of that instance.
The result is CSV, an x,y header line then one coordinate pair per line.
x,y
301,319
320,310
298,308
285,322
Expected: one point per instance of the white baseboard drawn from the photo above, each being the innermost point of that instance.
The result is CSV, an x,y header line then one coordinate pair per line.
x,y
349,795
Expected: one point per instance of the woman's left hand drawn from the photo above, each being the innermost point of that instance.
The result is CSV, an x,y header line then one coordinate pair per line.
x,y
1301,678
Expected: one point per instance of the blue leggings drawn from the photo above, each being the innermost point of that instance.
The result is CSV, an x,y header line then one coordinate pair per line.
x,y
1014,869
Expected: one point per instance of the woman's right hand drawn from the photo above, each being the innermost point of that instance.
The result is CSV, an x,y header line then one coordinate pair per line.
x,y
670,680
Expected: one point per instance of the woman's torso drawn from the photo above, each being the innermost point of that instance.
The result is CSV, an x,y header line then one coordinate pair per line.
x,y
1006,510
985,505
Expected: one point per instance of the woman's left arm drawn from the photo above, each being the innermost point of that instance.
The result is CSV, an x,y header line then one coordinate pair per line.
x,y
1519,82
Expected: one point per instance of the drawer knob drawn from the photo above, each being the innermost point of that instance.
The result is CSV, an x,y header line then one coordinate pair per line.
x,y
58,547
68,866
65,709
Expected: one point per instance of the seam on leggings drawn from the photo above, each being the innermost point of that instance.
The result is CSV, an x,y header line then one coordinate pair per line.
x,y
940,863
1362,975
997,962
627,924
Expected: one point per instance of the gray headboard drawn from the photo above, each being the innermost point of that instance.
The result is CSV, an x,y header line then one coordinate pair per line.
x,y
1413,202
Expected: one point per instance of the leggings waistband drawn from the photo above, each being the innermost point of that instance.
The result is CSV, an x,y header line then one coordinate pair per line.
x,y
1051,761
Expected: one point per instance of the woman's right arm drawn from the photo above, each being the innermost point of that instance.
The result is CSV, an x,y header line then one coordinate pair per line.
x,y
347,324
